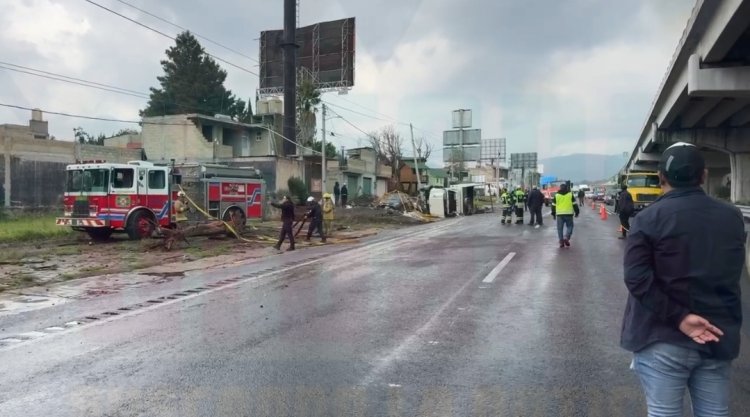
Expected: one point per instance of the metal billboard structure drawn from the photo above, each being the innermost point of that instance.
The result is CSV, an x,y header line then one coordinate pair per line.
x,y
325,54
494,151
523,160
454,152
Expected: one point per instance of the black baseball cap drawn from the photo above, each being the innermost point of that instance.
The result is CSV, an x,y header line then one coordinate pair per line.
x,y
682,164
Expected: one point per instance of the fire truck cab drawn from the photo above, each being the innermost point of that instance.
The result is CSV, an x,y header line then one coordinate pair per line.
x,y
101,198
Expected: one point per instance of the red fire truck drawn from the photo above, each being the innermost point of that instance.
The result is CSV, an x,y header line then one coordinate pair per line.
x,y
549,190
101,198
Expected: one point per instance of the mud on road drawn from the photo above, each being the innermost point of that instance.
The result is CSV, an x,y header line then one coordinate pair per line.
x,y
39,263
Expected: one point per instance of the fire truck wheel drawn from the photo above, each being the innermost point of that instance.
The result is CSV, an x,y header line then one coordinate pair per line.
x,y
236,217
140,226
99,233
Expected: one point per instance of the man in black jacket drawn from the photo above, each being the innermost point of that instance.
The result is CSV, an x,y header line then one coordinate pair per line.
x,y
683,262
535,202
287,219
626,207
315,214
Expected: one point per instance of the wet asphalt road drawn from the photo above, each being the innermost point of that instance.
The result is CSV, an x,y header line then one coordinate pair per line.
x,y
406,325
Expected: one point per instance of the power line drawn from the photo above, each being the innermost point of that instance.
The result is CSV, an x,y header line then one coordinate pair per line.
x,y
110,89
141,122
183,28
168,36
392,120
71,78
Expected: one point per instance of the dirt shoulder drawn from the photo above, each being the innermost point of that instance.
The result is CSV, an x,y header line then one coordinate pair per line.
x,y
43,262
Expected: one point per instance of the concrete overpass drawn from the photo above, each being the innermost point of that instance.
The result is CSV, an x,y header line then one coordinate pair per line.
x,y
704,98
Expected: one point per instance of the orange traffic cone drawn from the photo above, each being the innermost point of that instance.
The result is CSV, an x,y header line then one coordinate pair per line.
x,y
603,212
593,205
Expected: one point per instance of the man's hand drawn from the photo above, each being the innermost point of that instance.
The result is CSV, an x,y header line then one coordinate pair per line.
x,y
699,329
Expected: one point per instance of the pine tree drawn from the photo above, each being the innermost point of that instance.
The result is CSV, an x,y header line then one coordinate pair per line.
x,y
192,83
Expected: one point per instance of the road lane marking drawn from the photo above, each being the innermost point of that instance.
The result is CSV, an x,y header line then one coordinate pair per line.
x,y
496,271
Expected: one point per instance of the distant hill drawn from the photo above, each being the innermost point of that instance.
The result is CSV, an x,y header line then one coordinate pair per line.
x,y
583,167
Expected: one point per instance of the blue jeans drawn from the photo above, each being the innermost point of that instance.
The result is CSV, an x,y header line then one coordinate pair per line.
x,y
666,370
564,220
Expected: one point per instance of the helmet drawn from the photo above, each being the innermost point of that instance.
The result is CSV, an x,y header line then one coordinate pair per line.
x,y
310,199
327,195
180,194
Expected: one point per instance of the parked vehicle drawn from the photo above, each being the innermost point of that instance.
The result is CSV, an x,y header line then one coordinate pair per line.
x,y
102,198
644,187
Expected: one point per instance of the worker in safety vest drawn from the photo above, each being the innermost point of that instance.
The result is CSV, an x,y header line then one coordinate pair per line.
x,y
564,207
520,204
181,207
328,213
506,199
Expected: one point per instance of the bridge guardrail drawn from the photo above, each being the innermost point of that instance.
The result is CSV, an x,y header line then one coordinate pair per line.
x,y
745,211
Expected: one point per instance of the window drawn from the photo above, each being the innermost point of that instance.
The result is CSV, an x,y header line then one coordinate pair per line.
x,y
122,178
650,181
157,180
90,180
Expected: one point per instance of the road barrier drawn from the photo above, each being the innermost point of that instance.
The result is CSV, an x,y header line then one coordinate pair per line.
x,y
745,211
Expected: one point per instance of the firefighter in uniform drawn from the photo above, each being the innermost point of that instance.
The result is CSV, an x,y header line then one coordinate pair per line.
x,y
520,202
181,207
507,201
287,220
328,213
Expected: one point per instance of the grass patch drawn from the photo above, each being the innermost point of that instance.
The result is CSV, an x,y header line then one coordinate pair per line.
x,y
31,227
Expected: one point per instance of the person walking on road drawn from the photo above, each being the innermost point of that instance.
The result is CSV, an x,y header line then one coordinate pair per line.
x,y
328,214
683,264
287,220
582,196
506,199
519,197
315,214
535,202
344,196
564,207
626,207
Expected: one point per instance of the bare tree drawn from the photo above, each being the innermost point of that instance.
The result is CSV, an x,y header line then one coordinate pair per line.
x,y
424,149
388,145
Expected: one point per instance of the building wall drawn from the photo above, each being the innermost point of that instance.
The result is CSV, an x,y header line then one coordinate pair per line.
x,y
33,169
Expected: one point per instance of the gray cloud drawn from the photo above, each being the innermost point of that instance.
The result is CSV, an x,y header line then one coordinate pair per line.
x,y
509,60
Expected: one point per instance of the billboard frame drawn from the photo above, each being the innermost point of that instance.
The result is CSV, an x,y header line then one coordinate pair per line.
x,y
333,41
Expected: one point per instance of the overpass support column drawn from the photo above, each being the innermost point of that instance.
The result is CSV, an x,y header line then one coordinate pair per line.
x,y
740,177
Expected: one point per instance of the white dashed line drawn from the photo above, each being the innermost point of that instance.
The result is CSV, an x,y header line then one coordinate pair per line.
x,y
496,271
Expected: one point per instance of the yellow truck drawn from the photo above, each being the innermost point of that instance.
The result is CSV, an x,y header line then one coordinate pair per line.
x,y
644,187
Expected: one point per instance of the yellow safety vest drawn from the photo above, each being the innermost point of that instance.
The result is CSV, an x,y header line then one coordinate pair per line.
x,y
564,204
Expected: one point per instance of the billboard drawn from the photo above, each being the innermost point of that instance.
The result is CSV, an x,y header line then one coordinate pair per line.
x,y
455,154
453,137
493,150
326,51
523,161
461,118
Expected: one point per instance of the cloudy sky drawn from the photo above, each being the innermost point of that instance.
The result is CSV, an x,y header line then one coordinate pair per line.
x,y
554,77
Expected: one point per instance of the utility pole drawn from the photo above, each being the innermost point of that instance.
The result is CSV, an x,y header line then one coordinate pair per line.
x,y
323,153
461,145
290,75
416,161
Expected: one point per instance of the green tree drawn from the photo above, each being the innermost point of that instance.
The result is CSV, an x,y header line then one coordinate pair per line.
x,y
83,137
308,99
192,83
331,150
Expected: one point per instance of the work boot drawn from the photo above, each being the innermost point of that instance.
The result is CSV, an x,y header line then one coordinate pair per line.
x,y
562,243
277,247
567,242
291,248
